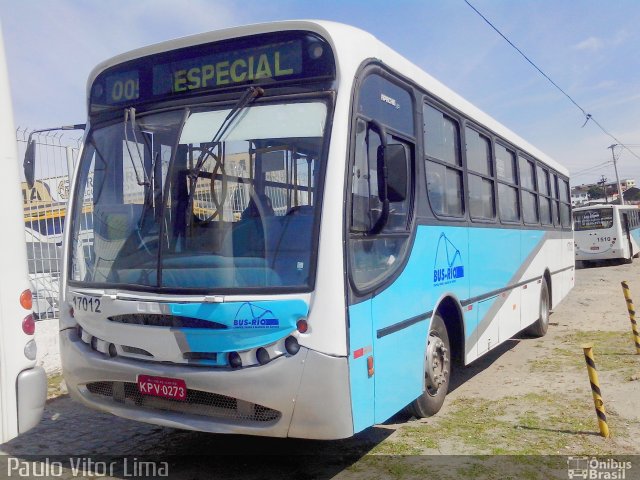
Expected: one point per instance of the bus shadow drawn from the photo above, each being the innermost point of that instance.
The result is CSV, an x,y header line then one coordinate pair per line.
x,y
461,374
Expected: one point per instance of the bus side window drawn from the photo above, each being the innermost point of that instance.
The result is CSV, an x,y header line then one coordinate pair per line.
x,y
565,204
482,201
555,210
365,202
544,191
508,198
372,257
528,190
443,163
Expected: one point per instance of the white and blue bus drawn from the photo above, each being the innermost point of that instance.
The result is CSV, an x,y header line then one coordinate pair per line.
x,y
606,232
296,232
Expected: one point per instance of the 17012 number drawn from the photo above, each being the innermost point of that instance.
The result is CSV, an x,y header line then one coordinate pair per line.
x,y
88,304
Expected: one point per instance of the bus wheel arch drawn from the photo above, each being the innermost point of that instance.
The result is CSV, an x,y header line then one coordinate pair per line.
x,y
541,325
445,342
451,313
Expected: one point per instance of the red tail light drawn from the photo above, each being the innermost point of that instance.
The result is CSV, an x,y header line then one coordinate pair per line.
x,y
302,325
29,325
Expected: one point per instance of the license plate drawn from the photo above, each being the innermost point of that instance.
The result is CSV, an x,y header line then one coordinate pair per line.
x,y
173,388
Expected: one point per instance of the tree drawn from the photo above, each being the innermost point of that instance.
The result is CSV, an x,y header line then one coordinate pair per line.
x,y
595,192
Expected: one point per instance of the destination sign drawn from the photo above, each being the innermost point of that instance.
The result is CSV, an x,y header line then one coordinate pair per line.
x,y
260,59
211,71
593,219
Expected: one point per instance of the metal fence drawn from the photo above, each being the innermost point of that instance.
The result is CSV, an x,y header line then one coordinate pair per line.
x,y
45,203
45,206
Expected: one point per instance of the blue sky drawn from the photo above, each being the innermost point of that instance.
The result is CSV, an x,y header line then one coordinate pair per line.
x,y
590,48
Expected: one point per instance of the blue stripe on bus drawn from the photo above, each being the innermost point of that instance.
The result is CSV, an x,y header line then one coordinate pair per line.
x,y
458,261
249,324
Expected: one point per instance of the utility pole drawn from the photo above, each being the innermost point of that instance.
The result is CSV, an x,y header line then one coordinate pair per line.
x,y
603,181
615,167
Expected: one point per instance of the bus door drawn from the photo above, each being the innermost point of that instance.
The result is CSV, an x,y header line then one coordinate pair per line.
x,y
387,347
626,231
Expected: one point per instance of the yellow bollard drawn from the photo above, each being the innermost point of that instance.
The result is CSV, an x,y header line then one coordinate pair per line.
x,y
595,390
632,315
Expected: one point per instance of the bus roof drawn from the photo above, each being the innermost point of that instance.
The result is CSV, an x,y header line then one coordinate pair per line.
x,y
351,46
599,206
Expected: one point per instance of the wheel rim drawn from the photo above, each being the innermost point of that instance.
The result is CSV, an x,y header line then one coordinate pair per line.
x,y
544,308
436,365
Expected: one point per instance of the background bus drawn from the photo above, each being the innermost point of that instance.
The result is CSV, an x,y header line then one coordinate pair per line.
x,y
295,233
23,386
606,232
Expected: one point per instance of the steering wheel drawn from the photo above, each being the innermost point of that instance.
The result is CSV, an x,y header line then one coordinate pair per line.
x,y
217,170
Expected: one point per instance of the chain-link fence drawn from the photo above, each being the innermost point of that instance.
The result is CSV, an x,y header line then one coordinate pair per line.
x,y
45,206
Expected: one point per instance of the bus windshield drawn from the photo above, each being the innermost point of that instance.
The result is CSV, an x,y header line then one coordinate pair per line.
x,y
596,219
173,209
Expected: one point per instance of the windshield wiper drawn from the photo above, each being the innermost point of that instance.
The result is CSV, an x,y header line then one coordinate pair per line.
x,y
131,112
247,97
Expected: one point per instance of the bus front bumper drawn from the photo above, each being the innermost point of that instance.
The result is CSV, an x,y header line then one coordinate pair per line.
x,y
305,396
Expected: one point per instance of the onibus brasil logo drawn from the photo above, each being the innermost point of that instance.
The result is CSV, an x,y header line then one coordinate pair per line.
x,y
448,266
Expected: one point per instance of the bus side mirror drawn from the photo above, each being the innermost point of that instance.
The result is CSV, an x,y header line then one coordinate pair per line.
x,y
395,162
29,164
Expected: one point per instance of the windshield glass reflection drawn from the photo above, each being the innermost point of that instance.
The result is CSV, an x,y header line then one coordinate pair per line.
x,y
170,208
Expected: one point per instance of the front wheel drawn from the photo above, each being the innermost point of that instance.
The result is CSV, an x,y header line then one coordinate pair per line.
x,y
437,371
540,327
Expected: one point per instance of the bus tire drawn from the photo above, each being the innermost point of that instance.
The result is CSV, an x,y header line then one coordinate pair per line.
x,y
437,371
540,327
631,254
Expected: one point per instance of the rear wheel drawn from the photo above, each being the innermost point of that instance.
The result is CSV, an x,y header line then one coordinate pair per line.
x,y
631,254
540,327
437,371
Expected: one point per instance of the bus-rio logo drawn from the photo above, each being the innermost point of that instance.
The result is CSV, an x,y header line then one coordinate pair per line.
x,y
448,267
253,316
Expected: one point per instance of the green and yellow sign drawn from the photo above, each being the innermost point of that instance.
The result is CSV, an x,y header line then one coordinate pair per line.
x,y
224,69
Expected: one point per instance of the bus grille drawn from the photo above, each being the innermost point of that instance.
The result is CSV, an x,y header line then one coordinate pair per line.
x,y
170,321
197,402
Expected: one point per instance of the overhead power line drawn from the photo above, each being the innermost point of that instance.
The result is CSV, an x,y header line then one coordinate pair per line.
x,y
591,169
587,116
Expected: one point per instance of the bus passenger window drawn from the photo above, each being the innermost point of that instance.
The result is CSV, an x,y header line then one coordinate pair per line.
x,y
443,163
565,204
545,201
482,202
508,203
528,190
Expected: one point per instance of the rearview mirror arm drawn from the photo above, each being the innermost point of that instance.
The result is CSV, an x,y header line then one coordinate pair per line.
x,y
30,155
